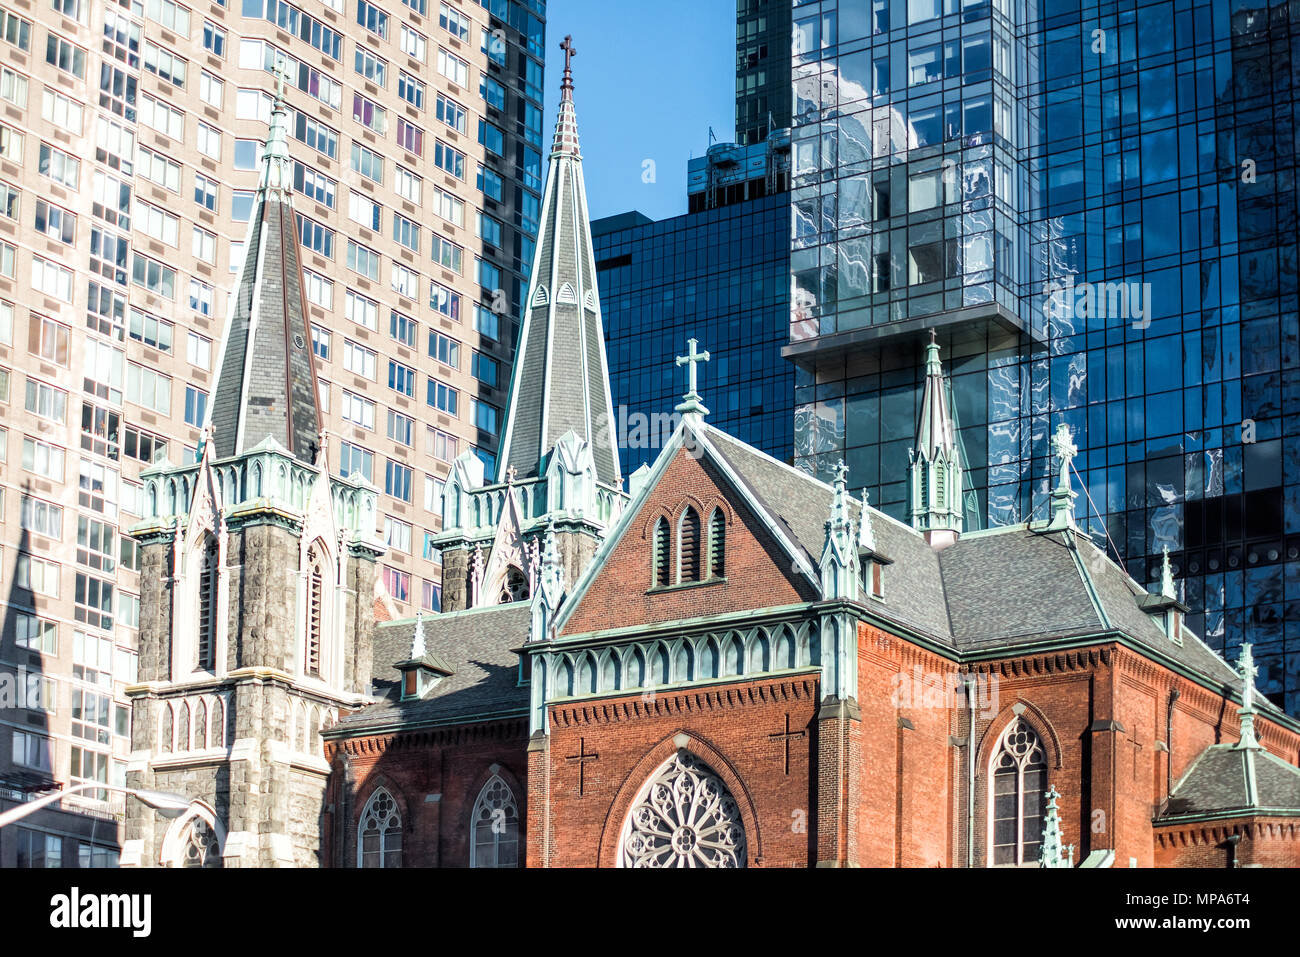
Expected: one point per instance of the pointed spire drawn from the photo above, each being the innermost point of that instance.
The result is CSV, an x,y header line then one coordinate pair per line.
x,y
277,170
937,466
1063,495
418,647
266,379
866,534
560,381
1247,669
1051,853
839,562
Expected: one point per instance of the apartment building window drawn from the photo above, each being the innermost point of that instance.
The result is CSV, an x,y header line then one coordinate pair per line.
x,y
31,751
43,459
362,310
314,185
13,87
148,388
65,56
96,545
484,368
490,229
491,183
444,301
203,245
200,297
37,575
354,459
48,340
46,401
316,135
152,331
154,276
397,534
398,583
406,232
445,349
486,322
319,239
41,518
162,117
405,282
359,360
412,91
36,849
419,6
61,111
368,163
449,207
401,378
320,343
205,192
369,114
410,137
157,168
453,68
372,67
36,634
11,144
372,18
414,44
58,165
157,223
363,260
407,185
164,63
171,15
241,205
196,406
214,39
401,428
358,410
447,254
442,397
15,30
402,328
492,137
364,210
51,279
485,416
449,160
397,480
318,289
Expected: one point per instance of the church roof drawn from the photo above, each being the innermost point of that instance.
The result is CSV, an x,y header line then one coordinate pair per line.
x,y
560,379
1220,782
266,381
475,646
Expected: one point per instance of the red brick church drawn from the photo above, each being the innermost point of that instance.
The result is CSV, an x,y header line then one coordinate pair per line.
x,y
735,664
723,662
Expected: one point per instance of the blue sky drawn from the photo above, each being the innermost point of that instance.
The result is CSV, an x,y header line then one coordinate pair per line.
x,y
651,77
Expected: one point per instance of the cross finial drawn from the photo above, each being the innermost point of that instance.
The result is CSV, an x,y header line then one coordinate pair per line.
x,y
1065,450
1063,495
841,473
281,74
570,51
691,402
1247,669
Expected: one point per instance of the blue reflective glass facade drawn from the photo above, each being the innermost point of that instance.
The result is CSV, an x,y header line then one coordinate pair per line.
x,y
720,276
1095,206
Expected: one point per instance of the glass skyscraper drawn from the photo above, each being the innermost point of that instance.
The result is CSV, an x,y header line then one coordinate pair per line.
x,y
720,274
1094,204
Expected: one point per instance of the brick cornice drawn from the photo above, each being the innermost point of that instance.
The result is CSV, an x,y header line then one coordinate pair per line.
x,y
448,736
685,701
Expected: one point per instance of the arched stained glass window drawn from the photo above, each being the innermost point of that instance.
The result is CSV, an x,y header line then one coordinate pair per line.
x,y
496,827
1018,785
380,835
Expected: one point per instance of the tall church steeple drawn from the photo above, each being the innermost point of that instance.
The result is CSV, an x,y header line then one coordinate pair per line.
x,y
560,380
257,584
266,380
937,465
558,464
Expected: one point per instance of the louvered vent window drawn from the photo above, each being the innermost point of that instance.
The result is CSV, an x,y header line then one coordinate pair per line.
x,y
717,544
688,563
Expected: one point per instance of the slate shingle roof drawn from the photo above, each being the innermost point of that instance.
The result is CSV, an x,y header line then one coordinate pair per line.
x,y
1217,783
476,645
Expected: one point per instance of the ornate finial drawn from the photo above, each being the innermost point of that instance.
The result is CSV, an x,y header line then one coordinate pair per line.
x,y
1247,669
418,649
1050,852
510,475
570,51
866,534
1063,495
841,475
691,402
934,336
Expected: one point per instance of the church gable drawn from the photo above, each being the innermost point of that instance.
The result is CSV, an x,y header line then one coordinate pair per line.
x,y
694,547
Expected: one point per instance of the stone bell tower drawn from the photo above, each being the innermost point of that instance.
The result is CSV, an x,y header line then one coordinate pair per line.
x,y
258,570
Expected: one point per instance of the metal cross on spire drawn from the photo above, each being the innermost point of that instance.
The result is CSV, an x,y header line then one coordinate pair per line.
x,y
1063,495
691,402
570,51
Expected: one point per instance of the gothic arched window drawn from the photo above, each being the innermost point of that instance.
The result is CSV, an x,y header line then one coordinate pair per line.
x,y
515,586
218,724
683,817
717,544
200,726
209,577
380,833
200,849
1018,784
661,553
315,611
496,827
688,546
167,729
